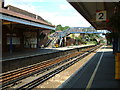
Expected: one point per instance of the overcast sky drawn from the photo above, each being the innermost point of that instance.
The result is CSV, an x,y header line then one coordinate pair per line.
x,y
54,11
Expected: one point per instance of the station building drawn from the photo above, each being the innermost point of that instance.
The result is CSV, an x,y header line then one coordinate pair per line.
x,y
22,30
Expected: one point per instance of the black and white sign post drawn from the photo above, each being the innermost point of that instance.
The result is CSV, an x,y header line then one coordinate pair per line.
x,y
100,16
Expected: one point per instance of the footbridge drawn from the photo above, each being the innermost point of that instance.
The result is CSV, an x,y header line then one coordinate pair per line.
x,y
73,30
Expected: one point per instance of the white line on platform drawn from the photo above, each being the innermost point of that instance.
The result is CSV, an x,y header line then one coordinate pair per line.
x,y
94,73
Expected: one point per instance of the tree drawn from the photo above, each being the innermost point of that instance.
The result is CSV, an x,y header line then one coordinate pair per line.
x,y
66,27
60,28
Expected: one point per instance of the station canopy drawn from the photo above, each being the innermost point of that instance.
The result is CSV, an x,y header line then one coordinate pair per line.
x,y
18,16
96,12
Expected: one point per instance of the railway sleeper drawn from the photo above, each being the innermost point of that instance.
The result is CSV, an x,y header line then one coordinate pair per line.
x,y
40,71
52,73
50,67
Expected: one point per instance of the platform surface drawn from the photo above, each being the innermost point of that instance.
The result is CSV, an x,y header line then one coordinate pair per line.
x,y
99,72
35,52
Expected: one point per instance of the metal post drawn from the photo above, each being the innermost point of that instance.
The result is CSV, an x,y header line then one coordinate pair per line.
x,y
11,46
119,43
115,44
38,38
0,43
65,41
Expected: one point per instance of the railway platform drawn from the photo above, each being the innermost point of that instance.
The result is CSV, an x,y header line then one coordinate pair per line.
x,y
36,52
29,57
99,72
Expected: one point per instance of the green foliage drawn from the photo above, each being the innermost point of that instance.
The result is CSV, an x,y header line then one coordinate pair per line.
x,y
92,42
88,38
73,36
52,31
60,28
66,27
102,41
81,39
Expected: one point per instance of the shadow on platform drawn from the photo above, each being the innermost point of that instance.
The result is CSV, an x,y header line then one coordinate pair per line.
x,y
104,77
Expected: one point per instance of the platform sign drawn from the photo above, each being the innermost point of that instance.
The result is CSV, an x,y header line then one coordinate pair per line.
x,y
101,16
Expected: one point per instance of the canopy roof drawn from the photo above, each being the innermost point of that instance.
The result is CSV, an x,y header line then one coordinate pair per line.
x,y
88,11
16,17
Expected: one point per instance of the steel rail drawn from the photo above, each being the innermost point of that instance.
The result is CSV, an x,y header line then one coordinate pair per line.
x,y
45,77
43,69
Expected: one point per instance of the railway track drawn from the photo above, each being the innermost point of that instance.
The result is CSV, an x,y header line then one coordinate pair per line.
x,y
9,79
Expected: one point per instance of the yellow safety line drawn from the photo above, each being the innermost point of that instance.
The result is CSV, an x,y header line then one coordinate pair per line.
x,y
93,75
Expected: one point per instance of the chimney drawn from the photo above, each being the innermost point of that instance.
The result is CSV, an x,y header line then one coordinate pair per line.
x,y
1,3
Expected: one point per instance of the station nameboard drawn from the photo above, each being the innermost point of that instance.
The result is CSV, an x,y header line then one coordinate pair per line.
x,y
100,16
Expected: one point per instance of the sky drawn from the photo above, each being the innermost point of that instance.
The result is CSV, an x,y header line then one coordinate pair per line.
x,y
55,11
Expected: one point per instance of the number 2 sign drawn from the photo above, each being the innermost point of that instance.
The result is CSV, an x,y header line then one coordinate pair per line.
x,y
101,16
